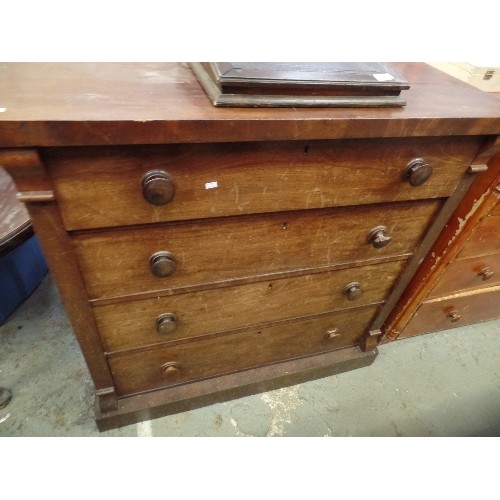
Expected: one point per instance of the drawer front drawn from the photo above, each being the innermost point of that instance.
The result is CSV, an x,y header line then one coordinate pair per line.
x,y
209,357
476,272
102,187
485,239
463,309
117,263
134,324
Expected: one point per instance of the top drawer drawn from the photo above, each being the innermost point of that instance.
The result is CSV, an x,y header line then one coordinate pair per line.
x,y
106,186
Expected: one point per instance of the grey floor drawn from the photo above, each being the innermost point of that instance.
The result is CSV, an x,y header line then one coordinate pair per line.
x,y
441,384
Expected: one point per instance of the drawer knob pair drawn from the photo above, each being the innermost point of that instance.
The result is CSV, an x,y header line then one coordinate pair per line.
x,y
417,171
353,291
158,187
162,264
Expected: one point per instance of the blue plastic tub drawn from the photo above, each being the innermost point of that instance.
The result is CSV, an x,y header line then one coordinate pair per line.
x,y
21,271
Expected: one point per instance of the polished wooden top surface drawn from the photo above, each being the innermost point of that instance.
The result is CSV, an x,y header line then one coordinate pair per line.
x,y
51,104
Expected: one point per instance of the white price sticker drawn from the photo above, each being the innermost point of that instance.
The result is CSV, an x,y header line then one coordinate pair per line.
x,y
211,185
383,77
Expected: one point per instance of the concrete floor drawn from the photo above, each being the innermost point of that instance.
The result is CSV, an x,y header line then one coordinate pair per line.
x,y
442,384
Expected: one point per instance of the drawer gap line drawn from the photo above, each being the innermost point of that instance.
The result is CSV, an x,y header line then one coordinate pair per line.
x,y
168,292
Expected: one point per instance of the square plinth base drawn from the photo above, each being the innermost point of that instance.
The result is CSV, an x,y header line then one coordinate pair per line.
x,y
194,395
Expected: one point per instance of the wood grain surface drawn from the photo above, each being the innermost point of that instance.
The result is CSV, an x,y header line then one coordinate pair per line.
x,y
62,104
465,275
486,238
100,187
130,325
477,203
472,307
496,210
270,220
116,263
189,396
216,356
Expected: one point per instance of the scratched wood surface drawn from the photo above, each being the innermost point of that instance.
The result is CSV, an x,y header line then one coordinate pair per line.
x,y
496,211
116,263
100,187
486,238
472,307
466,275
49,104
216,356
110,123
471,214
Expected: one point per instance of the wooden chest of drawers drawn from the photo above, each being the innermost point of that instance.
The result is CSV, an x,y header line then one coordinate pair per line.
x,y
459,281
207,253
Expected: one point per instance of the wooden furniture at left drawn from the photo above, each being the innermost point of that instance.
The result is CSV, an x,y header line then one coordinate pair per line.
x,y
459,281
15,223
206,253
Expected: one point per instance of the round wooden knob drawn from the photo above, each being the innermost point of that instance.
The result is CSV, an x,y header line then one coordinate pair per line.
x,y
162,264
332,333
166,323
171,370
486,273
378,238
353,291
454,316
158,187
418,171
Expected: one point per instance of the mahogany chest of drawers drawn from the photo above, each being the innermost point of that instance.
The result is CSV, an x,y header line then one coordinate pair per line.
x,y
459,281
207,253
